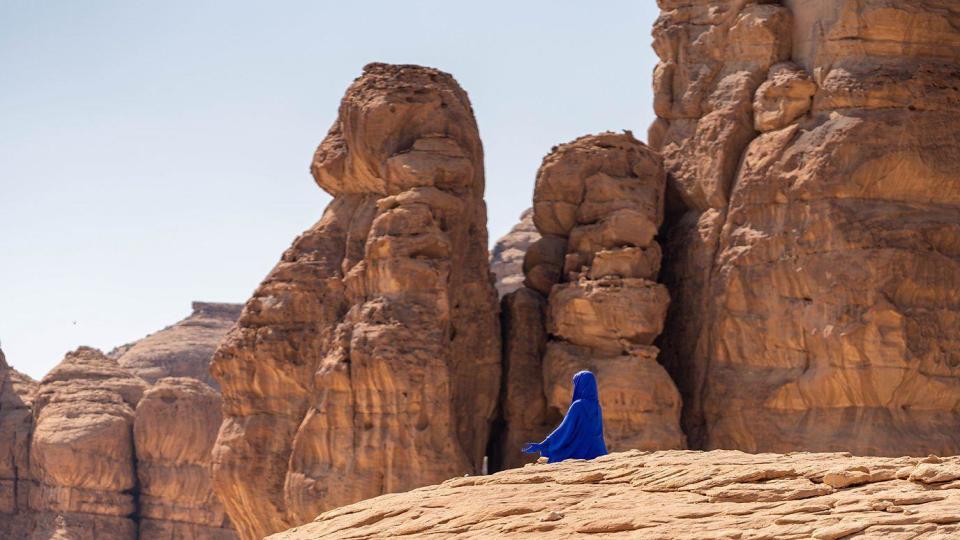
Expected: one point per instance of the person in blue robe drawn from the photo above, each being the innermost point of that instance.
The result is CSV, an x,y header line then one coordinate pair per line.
x,y
580,435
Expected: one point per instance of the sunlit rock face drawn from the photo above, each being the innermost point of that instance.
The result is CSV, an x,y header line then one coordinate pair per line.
x,y
813,236
368,360
175,426
591,299
82,454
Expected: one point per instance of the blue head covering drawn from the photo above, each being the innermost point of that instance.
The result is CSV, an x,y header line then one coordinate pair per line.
x,y
580,435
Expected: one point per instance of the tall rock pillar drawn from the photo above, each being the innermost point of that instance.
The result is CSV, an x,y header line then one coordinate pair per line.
x,y
368,360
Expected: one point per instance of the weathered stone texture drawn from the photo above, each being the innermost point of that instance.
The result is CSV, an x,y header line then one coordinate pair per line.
x,y
672,494
16,427
183,349
598,203
174,429
506,259
368,360
814,280
82,453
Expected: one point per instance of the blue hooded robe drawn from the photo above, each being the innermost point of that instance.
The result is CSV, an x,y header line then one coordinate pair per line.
x,y
580,435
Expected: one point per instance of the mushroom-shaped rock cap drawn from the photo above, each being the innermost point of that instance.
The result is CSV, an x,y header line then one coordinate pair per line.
x,y
392,118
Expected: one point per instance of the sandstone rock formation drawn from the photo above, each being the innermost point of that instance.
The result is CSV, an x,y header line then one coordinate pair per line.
x,y
598,203
16,427
675,494
174,429
814,267
183,349
506,259
82,453
368,359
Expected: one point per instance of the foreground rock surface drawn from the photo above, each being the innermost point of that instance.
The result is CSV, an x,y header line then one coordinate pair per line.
x,y
671,494
813,245
183,349
368,360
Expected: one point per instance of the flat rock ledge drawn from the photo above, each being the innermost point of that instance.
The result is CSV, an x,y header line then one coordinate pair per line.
x,y
672,494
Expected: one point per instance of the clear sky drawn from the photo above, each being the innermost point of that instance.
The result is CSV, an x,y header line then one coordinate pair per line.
x,y
156,153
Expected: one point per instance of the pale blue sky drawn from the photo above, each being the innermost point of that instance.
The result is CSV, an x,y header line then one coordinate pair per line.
x,y
157,153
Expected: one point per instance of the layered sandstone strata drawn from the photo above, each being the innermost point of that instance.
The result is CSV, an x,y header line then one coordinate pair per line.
x,y
368,359
814,243
675,494
183,349
598,203
174,429
506,259
82,451
16,427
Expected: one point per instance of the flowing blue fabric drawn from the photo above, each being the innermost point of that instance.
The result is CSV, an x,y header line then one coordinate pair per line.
x,y
580,435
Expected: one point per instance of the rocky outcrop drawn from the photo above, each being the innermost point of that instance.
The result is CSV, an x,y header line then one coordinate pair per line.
x,y
82,454
174,429
368,361
16,427
506,259
814,240
183,349
677,494
598,203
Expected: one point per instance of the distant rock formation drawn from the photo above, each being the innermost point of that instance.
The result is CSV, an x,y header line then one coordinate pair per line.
x,y
82,452
368,360
506,259
598,203
16,428
813,249
681,495
183,349
174,429
94,452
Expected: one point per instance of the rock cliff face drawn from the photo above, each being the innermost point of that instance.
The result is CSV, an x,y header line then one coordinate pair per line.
x,y
93,452
598,203
183,349
813,236
368,359
82,454
174,429
675,494
506,260
16,427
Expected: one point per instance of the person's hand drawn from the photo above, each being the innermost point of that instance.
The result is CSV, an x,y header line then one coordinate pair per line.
x,y
530,448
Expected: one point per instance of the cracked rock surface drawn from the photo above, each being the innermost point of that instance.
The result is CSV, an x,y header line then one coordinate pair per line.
x,y
672,494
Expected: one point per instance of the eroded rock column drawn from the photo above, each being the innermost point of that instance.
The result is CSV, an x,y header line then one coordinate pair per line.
x,y
174,429
598,203
368,360
82,455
